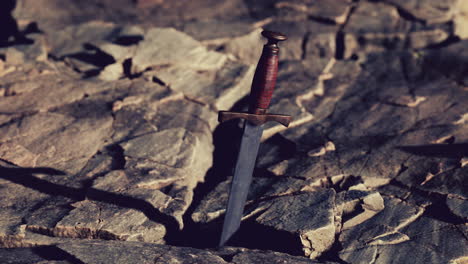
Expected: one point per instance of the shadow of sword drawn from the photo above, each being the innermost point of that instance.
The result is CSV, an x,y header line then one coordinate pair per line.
x,y
457,150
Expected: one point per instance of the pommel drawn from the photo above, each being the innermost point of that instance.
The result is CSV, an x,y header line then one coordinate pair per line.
x,y
273,37
254,118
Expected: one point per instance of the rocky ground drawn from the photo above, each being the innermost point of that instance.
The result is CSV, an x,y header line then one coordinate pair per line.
x,y
110,150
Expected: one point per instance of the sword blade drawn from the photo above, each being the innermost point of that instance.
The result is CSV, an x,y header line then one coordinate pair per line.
x,y
242,179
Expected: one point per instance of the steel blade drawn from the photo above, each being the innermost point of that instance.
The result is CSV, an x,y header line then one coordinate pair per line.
x,y
242,179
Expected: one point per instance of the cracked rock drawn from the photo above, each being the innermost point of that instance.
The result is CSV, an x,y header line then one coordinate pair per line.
x,y
214,204
430,11
426,177
107,119
458,206
151,52
378,26
387,223
413,240
356,205
335,10
118,252
309,216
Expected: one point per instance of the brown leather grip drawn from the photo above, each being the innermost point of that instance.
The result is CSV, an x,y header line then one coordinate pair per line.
x,y
264,79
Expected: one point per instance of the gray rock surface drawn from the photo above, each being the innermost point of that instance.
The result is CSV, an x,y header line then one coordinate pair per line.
x,y
118,185
118,252
379,26
110,150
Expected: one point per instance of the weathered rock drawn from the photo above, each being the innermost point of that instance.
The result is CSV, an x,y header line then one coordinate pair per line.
x,y
310,216
57,84
126,212
458,206
313,148
212,32
152,52
125,252
137,142
437,61
128,252
355,206
413,239
461,20
307,39
41,148
376,134
205,76
298,84
240,255
382,229
72,39
335,11
430,11
27,200
23,255
428,177
219,89
214,204
375,27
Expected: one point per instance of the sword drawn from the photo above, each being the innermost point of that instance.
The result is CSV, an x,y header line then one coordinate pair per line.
x,y
261,92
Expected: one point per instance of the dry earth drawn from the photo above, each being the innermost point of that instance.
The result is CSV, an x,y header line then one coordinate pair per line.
x,y
110,151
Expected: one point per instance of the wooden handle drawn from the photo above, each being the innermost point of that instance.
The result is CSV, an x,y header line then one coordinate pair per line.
x,y
265,75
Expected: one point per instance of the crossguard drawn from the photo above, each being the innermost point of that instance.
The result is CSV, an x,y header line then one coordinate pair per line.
x,y
253,118
263,85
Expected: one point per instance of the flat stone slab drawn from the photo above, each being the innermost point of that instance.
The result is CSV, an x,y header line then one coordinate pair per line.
x,y
379,26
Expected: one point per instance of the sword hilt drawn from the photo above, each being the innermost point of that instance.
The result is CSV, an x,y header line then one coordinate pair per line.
x,y
264,79
263,85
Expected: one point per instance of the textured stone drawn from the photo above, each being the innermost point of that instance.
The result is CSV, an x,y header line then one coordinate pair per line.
x,y
256,256
428,177
307,39
430,11
151,52
372,86
382,229
214,204
414,240
220,88
71,39
139,211
458,206
21,255
215,31
461,20
355,206
451,61
310,216
57,85
27,200
335,10
42,145
375,27
118,252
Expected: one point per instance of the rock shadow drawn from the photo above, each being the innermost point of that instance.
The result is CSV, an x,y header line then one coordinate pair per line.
x,y
53,253
9,31
25,177
456,150
256,236
226,140
92,56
